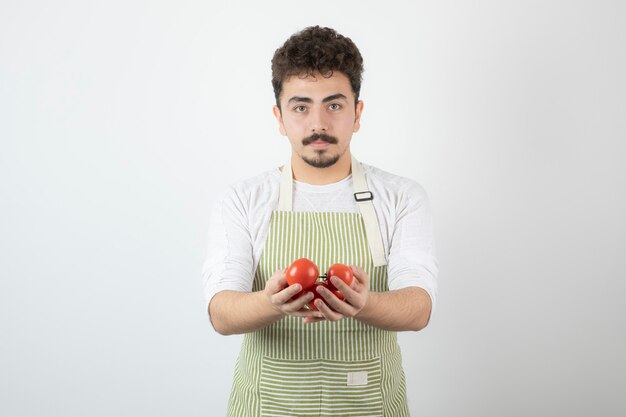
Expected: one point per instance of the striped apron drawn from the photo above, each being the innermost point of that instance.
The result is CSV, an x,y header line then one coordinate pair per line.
x,y
343,368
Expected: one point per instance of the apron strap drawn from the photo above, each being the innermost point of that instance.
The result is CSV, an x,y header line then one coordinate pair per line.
x,y
285,196
363,198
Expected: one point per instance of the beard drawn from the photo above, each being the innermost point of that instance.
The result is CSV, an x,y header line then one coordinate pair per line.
x,y
322,159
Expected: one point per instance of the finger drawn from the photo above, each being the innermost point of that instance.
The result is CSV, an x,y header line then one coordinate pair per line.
x,y
282,279
292,305
316,313
300,303
350,292
358,271
283,296
353,297
276,284
362,279
326,311
335,303
342,286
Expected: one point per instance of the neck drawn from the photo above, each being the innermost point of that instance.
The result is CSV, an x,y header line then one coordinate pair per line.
x,y
304,172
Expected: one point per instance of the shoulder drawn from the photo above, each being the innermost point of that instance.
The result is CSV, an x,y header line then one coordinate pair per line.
x,y
264,180
395,186
250,190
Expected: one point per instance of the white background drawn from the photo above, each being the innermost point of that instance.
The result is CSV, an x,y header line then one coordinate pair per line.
x,y
121,120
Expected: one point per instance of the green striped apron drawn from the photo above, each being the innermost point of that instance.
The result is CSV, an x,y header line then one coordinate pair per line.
x,y
343,368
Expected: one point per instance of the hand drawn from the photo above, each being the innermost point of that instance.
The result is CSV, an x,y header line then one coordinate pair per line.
x,y
280,296
356,295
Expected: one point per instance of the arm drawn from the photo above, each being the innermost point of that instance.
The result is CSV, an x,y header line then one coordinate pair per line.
x,y
230,312
398,310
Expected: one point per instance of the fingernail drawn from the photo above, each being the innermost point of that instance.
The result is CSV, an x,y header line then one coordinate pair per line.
x,y
334,280
297,287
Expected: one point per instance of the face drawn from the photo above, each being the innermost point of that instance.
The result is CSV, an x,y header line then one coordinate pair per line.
x,y
319,117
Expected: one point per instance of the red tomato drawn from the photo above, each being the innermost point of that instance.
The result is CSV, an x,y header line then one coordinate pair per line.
x,y
302,271
343,272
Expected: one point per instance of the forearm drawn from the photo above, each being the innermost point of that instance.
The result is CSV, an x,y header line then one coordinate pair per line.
x,y
234,312
398,310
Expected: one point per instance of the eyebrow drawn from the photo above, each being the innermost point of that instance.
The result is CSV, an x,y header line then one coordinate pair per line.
x,y
308,100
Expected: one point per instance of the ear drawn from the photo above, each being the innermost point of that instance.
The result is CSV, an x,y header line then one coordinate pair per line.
x,y
279,118
357,117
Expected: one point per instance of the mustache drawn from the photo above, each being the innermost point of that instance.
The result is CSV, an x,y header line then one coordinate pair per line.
x,y
319,136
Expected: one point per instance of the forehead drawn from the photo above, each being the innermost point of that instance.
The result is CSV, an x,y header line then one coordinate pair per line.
x,y
316,86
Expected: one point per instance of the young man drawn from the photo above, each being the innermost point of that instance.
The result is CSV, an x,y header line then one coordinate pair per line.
x,y
324,205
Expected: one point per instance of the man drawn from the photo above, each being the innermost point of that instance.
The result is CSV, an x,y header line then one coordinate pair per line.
x,y
324,205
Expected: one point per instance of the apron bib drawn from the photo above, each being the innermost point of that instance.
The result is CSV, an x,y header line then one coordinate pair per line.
x,y
343,368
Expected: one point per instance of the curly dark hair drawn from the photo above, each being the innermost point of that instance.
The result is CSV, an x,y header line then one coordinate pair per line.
x,y
319,49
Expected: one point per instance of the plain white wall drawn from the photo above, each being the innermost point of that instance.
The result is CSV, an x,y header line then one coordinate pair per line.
x,y
120,121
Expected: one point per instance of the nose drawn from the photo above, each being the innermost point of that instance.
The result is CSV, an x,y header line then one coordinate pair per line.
x,y
318,120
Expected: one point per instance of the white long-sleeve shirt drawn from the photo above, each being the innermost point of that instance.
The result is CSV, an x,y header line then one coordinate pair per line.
x,y
240,220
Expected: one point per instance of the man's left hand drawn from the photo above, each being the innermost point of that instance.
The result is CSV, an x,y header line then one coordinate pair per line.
x,y
355,294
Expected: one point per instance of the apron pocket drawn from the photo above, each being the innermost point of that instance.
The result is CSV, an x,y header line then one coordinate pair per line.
x,y
320,387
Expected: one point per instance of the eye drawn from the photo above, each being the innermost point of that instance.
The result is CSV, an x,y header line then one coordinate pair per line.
x,y
299,109
337,106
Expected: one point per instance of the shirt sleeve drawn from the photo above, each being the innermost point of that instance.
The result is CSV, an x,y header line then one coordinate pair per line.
x,y
412,257
229,260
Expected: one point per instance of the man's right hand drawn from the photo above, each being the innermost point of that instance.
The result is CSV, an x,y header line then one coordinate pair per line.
x,y
280,296
230,311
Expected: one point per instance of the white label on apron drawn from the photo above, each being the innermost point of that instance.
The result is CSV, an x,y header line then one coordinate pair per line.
x,y
357,378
